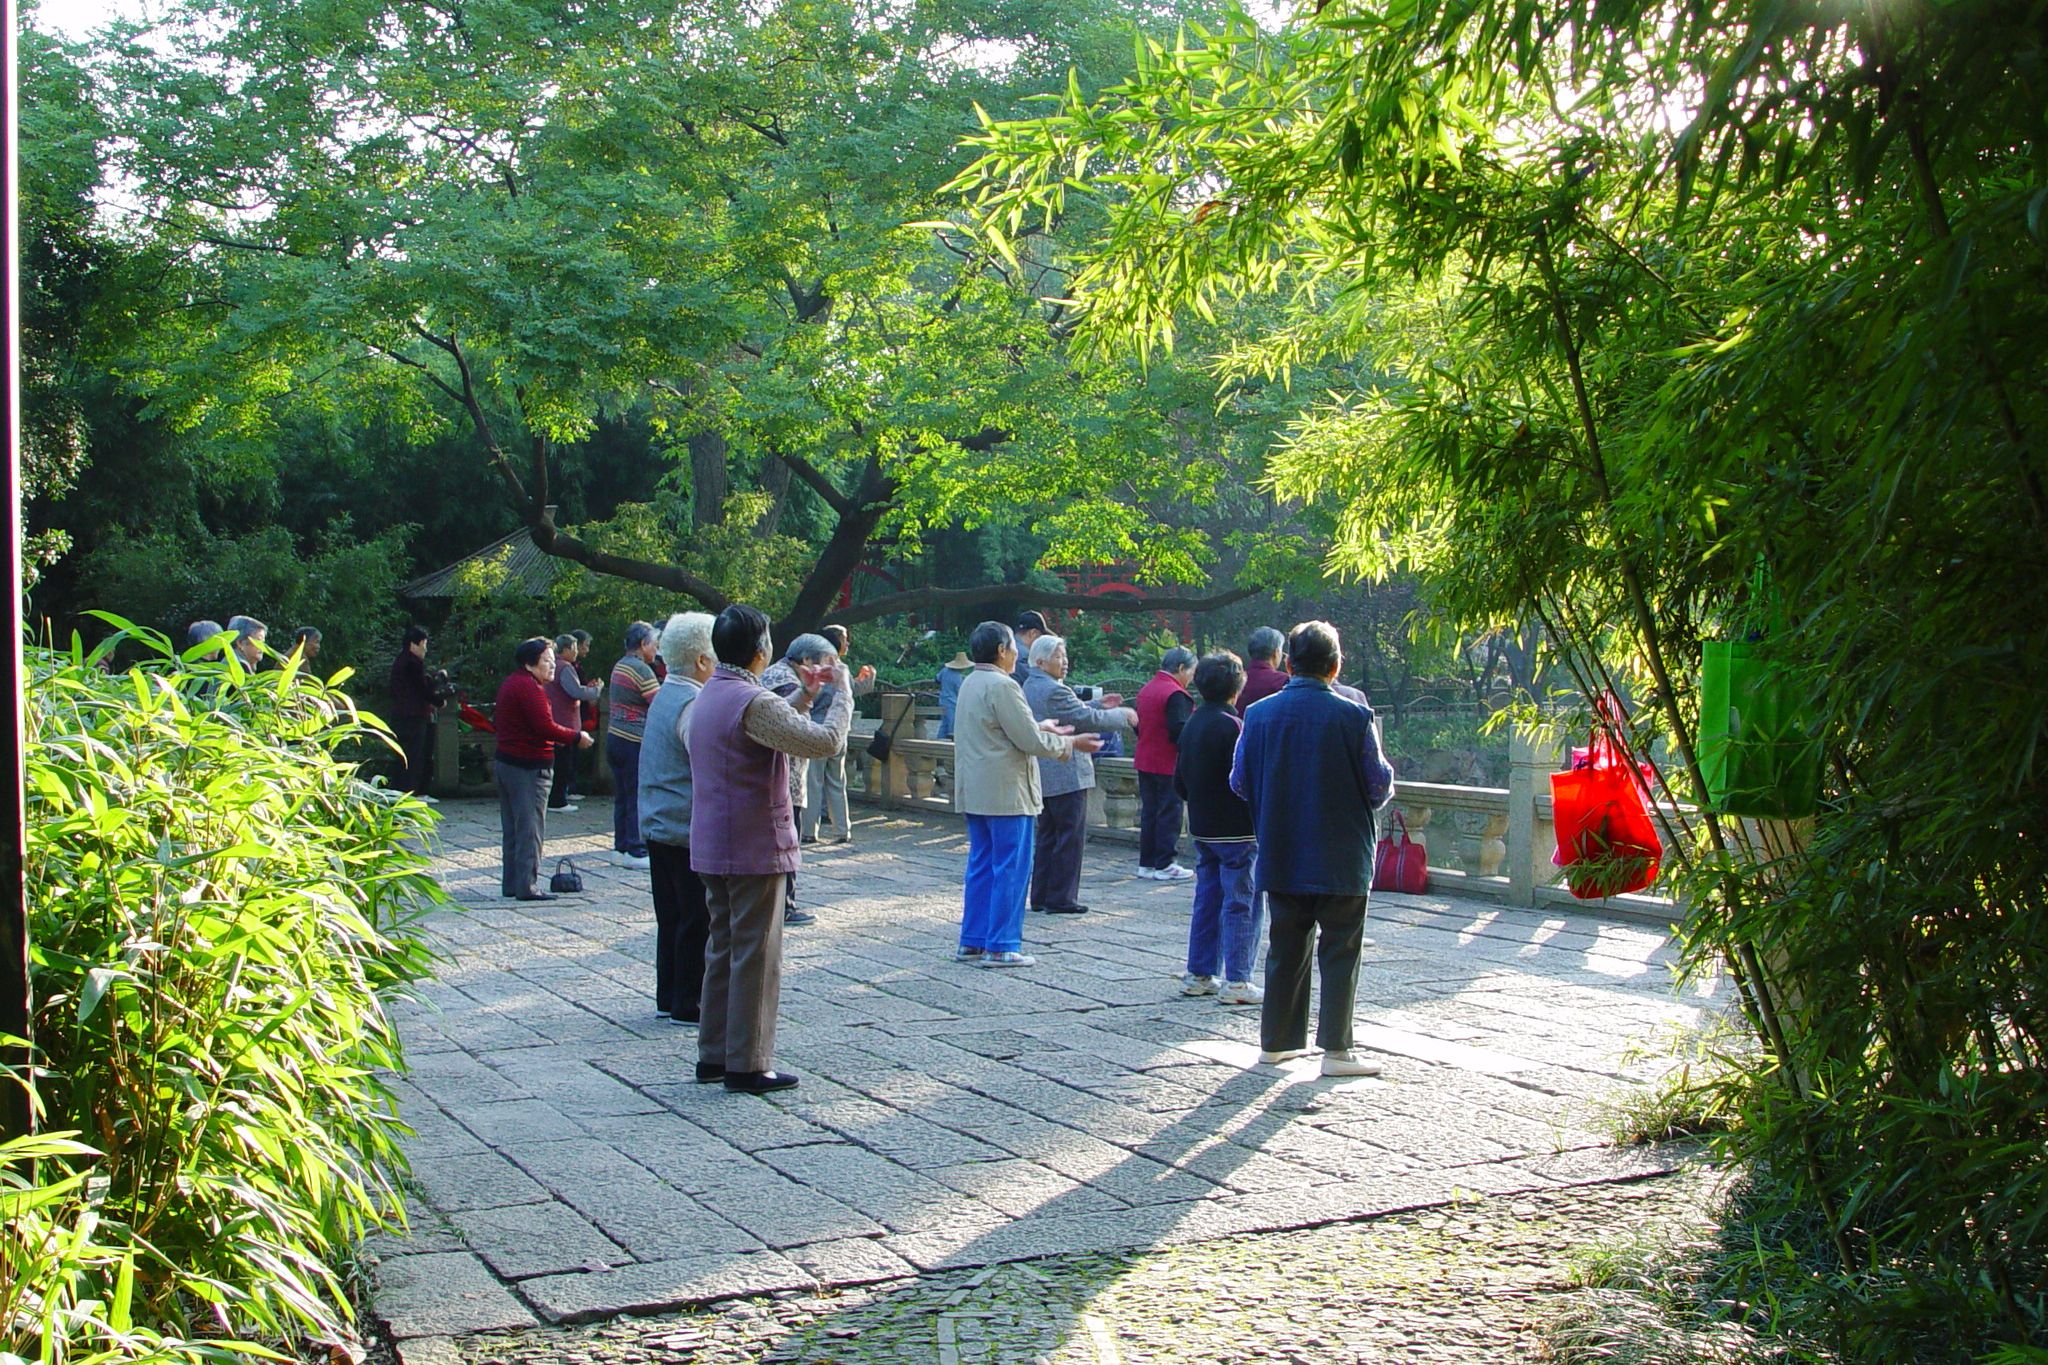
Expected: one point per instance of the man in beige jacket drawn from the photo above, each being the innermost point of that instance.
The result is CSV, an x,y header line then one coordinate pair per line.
x,y
996,748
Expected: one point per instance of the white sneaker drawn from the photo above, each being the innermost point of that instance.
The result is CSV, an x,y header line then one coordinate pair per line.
x,y
1198,985
1276,1058
1240,993
1150,874
430,800
1348,1064
1008,960
634,860
569,809
1174,872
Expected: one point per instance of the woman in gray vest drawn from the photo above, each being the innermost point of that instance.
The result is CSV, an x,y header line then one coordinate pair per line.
x,y
743,839
681,918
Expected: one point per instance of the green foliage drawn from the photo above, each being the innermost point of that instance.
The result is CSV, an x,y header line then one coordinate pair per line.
x,y
346,586
220,909
1654,295
523,221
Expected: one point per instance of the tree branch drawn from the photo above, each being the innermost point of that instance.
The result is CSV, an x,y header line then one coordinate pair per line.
x,y
815,480
672,577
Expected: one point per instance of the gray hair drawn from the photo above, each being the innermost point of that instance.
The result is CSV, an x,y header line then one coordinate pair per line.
x,y
1044,647
201,631
989,639
685,637
1265,643
247,627
564,643
638,634
1177,658
809,649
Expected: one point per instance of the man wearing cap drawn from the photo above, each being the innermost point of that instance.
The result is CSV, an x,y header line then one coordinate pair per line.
x,y
1030,625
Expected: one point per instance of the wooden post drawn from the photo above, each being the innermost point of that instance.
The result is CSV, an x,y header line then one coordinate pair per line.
x,y
16,1016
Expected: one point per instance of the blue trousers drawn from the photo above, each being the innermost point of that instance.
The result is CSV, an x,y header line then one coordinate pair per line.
x,y
1224,931
998,881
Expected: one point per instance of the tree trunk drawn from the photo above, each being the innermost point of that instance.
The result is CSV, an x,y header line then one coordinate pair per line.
x,y
708,479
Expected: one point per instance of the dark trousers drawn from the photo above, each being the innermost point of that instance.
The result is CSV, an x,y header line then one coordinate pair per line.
x,y
681,924
565,776
742,972
523,825
625,759
1159,809
416,739
1332,928
1056,866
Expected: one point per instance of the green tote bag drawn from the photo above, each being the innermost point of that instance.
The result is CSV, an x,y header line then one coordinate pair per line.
x,y
1758,753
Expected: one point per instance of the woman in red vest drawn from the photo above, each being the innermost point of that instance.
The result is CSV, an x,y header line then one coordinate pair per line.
x,y
1164,705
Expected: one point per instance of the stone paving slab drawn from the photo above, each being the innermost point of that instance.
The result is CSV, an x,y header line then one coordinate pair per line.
x,y
568,1168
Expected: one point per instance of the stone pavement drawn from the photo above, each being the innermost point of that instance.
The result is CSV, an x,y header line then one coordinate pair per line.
x,y
567,1168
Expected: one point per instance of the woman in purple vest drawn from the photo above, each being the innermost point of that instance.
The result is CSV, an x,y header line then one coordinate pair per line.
x,y
743,839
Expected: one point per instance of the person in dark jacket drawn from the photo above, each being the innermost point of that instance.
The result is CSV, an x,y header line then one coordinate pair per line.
x,y
523,764
1223,934
1309,764
412,710
1263,675
1163,707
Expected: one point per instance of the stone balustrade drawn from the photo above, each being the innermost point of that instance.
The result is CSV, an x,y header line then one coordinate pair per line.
x,y
1493,842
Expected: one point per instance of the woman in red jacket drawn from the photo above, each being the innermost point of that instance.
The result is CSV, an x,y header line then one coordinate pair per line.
x,y
524,765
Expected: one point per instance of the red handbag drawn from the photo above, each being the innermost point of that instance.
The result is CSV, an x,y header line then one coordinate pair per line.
x,y
1607,843
1401,866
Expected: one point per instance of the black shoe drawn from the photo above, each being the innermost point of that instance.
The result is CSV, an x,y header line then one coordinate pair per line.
x,y
535,896
1066,909
688,1020
1036,909
759,1082
808,839
709,1073
796,916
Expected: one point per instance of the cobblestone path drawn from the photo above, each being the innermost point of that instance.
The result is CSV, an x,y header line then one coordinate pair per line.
x,y
953,1119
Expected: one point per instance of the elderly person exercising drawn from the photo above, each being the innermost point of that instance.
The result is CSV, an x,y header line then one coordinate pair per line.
x,y
996,742
1063,824
743,839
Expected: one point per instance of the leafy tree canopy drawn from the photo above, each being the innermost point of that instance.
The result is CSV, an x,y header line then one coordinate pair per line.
x,y
519,218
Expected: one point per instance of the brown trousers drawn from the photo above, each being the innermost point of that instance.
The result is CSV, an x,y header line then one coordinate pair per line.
x,y
742,972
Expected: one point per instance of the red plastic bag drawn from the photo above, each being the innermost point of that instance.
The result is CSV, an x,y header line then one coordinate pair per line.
x,y
1607,843
1402,866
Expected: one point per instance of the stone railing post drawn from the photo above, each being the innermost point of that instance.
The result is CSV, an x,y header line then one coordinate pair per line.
x,y
447,775
893,776
1529,764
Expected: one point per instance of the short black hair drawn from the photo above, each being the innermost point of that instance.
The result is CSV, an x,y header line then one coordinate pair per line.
x,y
737,634
529,652
1219,677
1313,649
415,634
838,636
989,639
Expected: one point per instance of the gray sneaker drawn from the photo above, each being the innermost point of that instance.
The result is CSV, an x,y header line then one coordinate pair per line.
x,y
1008,960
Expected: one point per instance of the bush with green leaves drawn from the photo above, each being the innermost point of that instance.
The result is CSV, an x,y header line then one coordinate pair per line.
x,y
220,911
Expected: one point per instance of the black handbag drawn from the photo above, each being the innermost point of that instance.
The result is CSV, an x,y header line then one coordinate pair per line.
x,y
567,879
881,742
